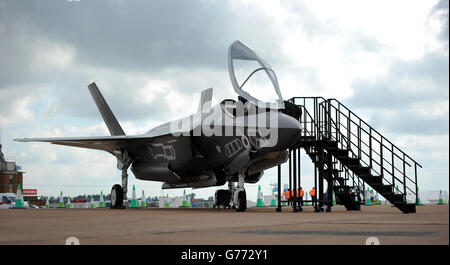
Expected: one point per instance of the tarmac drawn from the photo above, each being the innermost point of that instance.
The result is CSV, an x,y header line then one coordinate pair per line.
x,y
201,226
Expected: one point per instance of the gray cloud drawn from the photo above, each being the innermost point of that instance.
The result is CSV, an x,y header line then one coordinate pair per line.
x,y
411,89
140,35
145,38
408,122
441,11
391,91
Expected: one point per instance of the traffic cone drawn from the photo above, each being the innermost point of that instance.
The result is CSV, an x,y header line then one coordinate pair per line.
x,y
185,202
397,191
19,199
273,202
377,199
134,203
306,199
47,203
61,201
441,200
91,203
167,201
143,203
419,203
334,198
259,201
101,204
368,202
69,203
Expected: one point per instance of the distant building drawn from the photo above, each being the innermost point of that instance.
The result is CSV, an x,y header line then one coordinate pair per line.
x,y
10,174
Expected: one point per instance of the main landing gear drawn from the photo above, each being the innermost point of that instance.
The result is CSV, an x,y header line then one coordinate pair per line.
x,y
119,193
234,197
239,195
117,197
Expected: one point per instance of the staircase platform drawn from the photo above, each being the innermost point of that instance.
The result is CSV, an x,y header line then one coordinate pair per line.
x,y
351,154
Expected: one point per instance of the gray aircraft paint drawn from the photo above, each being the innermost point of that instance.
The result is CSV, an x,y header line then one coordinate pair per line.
x,y
204,149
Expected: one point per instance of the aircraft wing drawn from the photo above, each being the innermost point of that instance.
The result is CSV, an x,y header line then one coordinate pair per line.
x,y
105,143
117,140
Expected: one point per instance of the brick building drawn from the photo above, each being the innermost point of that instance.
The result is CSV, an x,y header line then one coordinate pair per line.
x,y
10,174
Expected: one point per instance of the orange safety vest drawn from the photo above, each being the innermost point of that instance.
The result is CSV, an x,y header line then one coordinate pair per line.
x,y
312,192
286,194
302,193
292,194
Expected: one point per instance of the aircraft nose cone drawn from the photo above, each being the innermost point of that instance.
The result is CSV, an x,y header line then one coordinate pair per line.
x,y
284,136
289,131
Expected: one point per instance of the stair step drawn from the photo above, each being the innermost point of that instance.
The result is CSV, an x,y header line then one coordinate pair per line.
x,y
394,198
383,189
371,179
406,207
331,144
349,161
337,152
361,171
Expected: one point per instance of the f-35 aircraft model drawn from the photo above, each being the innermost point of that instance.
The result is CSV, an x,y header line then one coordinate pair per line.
x,y
234,141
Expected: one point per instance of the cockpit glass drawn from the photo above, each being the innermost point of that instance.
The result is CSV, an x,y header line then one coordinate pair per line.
x,y
252,77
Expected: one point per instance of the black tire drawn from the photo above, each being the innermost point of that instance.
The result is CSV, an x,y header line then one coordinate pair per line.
x,y
116,197
241,204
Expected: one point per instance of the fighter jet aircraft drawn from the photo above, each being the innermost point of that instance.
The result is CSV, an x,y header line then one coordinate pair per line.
x,y
234,141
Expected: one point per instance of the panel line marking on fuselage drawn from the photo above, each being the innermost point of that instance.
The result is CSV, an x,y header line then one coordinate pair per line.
x,y
160,150
233,147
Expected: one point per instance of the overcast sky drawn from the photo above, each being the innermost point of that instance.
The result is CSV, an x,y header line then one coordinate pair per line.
x,y
386,60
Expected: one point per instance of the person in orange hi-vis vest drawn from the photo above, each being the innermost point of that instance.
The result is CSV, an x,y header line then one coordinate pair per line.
x,y
302,193
286,195
312,193
292,194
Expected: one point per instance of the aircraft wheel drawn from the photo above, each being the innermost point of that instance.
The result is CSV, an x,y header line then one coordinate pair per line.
x,y
116,197
241,202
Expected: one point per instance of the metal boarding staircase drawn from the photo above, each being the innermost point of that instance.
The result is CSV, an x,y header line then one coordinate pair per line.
x,y
350,154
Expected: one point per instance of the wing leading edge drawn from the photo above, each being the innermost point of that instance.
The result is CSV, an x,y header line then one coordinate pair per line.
x,y
105,143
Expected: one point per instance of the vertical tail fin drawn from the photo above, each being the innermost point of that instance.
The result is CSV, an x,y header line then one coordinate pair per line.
x,y
107,115
205,100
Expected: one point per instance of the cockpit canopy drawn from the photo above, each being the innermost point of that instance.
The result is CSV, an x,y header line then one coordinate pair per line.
x,y
241,51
